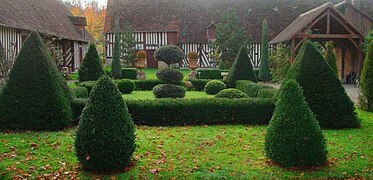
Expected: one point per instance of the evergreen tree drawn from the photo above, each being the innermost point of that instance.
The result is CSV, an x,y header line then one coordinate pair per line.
x,y
91,68
322,89
116,68
366,81
128,46
294,137
264,72
330,58
34,97
105,139
230,36
242,69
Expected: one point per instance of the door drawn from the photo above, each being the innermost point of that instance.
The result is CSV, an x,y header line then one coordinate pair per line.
x,y
151,62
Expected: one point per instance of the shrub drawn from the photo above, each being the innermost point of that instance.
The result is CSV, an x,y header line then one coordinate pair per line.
x,y
322,89
105,139
91,68
231,93
170,75
279,62
267,93
149,84
250,88
126,86
34,97
330,57
200,111
116,66
129,73
79,92
169,54
366,81
214,86
242,69
294,137
77,106
141,54
264,73
193,55
88,85
210,73
199,84
169,91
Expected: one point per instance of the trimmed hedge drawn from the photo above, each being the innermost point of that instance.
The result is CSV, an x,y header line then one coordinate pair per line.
x,y
149,84
169,91
199,84
267,93
129,73
210,73
88,84
170,75
214,86
231,93
126,86
242,69
79,92
250,88
77,106
172,112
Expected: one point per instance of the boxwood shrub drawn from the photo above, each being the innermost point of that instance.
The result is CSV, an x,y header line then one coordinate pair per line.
x,y
170,75
250,88
149,84
210,73
88,84
199,84
77,106
169,91
267,93
126,86
129,73
79,92
214,86
231,93
171,112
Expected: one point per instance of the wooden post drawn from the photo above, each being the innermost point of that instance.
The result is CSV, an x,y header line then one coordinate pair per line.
x,y
292,51
328,23
343,48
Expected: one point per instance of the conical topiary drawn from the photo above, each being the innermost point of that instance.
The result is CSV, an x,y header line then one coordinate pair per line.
x,y
116,67
366,81
34,97
242,69
91,68
264,72
330,58
322,89
294,137
105,138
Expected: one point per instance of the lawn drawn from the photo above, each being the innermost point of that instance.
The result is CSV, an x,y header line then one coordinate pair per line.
x,y
150,95
193,152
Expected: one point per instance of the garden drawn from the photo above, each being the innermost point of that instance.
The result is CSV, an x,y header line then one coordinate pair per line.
x,y
171,123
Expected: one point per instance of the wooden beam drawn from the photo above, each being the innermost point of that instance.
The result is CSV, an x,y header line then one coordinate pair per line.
x,y
299,44
313,23
327,36
328,22
292,51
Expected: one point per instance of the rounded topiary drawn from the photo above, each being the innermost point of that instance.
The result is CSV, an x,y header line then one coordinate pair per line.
x,y
322,89
193,55
105,139
169,91
170,75
231,93
214,86
242,69
169,54
91,68
34,97
294,137
126,86
141,54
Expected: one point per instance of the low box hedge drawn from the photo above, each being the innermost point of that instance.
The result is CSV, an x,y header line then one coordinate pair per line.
x,y
199,84
79,92
210,73
149,84
77,106
171,112
250,88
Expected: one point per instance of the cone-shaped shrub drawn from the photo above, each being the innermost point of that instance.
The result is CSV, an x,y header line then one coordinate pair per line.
x,y
91,68
116,67
330,58
264,72
34,97
105,138
294,137
366,81
242,69
322,89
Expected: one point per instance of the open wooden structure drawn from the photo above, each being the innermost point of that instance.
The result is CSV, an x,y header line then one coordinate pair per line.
x,y
328,23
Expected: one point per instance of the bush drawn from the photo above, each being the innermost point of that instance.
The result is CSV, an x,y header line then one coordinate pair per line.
x,y
210,73
330,57
126,86
366,81
77,106
231,93
105,139
149,84
88,85
34,97
79,92
294,137
323,90
129,73
116,66
201,111
267,93
170,75
250,88
214,86
242,69
169,91
279,62
169,54
199,84
91,68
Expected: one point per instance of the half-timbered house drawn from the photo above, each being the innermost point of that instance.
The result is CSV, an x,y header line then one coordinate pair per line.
x,y
51,19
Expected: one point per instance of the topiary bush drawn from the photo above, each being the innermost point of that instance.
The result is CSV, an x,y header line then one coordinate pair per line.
x,y
199,84
116,67
79,92
169,54
267,93
34,97
294,137
129,73
323,90
126,86
231,93
169,91
250,88
210,73
88,85
170,75
366,81
77,106
91,68
214,86
105,139
242,69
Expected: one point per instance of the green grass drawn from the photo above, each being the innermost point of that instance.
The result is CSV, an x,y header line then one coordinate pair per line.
x,y
198,152
150,95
